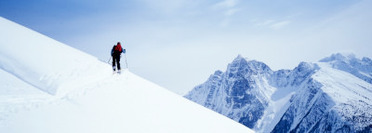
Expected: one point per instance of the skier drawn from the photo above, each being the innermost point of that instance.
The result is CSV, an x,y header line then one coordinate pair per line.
x,y
115,54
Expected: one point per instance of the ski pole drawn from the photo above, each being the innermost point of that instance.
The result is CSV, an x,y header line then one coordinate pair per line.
x,y
109,60
126,63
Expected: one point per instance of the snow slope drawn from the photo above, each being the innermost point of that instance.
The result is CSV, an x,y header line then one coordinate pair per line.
x,y
122,103
16,95
50,87
43,62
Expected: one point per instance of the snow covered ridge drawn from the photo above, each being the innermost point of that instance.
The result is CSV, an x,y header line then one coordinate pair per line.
x,y
49,87
333,95
43,62
361,68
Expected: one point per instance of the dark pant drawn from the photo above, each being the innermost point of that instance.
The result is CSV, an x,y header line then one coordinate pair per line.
x,y
116,58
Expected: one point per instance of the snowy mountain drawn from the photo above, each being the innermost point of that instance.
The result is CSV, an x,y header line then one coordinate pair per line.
x,y
332,95
349,63
236,93
49,87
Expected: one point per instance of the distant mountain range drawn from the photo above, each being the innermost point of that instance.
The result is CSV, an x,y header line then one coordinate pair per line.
x,y
332,95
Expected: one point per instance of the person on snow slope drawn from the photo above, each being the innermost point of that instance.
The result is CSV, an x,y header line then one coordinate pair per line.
x,y
115,54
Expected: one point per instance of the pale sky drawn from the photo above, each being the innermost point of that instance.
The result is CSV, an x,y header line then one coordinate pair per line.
x,y
178,44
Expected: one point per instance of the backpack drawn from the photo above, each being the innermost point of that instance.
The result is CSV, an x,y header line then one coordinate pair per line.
x,y
118,48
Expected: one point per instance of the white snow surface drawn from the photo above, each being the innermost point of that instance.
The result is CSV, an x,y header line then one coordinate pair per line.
x,y
43,62
47,86
350,89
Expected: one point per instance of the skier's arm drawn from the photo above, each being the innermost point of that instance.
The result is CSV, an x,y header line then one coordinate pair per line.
x,y
123,50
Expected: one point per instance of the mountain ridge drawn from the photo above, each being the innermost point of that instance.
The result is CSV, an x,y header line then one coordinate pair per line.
x,y
293,100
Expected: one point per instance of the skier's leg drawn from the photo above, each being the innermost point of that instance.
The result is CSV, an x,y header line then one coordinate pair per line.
x,y
113,63
118,62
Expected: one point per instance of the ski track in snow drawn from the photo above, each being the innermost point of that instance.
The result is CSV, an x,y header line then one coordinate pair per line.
x,y
15,96
118,102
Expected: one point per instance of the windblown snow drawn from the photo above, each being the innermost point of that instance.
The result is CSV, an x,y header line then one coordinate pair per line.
x,y
47,86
